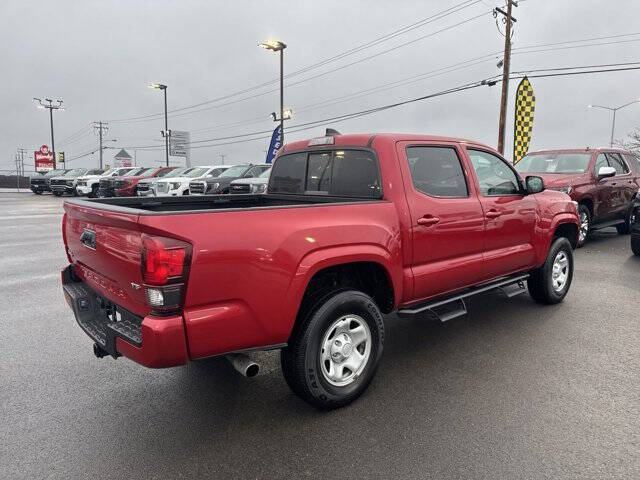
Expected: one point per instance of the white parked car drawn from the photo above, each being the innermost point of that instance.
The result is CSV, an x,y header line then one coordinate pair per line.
x,y
179,184
251,185
146,188
89,184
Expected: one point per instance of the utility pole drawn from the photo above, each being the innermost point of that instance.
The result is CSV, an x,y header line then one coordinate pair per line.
x,y
508,20
21,152
51,107
100,127
222,155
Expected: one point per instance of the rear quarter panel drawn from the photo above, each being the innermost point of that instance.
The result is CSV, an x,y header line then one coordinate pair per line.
x,y
250,268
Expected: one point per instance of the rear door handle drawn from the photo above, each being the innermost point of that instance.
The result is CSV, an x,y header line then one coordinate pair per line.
x,y
428,220
493,214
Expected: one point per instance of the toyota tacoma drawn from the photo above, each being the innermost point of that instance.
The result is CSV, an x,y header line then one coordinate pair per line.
x,y
351,227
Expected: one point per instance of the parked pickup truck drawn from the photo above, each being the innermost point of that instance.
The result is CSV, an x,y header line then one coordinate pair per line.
x,y
126,185
221,183
41,183
351,227
603,181
67,183
88,185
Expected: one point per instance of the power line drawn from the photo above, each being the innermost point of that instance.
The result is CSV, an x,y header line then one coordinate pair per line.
x,y
425,21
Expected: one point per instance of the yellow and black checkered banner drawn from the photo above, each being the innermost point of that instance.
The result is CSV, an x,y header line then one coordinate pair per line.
x,y
523,125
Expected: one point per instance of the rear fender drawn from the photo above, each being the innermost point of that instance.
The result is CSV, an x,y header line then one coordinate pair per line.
x,y
318,260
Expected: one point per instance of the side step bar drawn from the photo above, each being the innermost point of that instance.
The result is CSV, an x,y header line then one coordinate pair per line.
x,y
455,306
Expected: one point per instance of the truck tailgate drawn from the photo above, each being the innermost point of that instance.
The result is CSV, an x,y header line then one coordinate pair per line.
x,y
105,248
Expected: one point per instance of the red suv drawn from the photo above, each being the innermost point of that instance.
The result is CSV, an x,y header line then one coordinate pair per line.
x,y
604,182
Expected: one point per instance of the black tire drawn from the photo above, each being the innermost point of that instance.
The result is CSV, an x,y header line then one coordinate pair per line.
x,y
625,228
541,280
583,235
186,192
300,360
635,245
57,194
94,192
38,192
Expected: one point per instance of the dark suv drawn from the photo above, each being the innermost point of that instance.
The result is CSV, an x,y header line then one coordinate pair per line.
x,y
603,181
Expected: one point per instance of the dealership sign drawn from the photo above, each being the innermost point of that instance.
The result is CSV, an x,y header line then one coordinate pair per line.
x,y
43,159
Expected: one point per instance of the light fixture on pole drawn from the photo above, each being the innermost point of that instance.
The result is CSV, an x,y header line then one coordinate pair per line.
x,y
614,110
166,133
51,107
278,46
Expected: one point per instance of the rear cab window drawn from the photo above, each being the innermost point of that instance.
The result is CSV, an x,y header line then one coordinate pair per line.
x,y
336,172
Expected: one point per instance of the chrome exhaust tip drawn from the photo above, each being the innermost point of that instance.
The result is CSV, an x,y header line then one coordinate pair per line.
x,y
243,364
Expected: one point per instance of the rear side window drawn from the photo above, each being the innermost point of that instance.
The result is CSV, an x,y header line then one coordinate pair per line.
x,y
344,173
437,171
633,162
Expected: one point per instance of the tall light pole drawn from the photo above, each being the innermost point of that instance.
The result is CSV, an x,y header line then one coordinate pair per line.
x,y
51,107
278,46
166,133
614,110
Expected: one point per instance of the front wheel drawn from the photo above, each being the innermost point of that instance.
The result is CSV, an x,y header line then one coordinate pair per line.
x,y
94,191
57,194
38,192
334,351
550,283
625,228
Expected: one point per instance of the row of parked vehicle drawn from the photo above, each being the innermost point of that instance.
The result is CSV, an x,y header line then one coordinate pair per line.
x,y
155,181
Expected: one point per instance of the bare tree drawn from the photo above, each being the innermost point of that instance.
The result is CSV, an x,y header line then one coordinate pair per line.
x,y
631,143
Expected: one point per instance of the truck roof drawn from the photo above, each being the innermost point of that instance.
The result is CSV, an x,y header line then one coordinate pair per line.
x,y
366,139
579,150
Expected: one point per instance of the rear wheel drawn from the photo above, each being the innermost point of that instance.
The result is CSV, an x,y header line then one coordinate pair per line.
x,y
585,225
635,245
550,283
334,351
625,228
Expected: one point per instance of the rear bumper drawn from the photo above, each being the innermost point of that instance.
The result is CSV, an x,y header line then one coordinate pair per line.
x,y
154,342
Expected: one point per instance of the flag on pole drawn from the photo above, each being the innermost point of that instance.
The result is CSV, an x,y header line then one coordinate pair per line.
x,y
523,124
274,145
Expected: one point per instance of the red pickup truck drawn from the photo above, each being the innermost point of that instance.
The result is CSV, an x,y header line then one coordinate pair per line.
x,y
352,227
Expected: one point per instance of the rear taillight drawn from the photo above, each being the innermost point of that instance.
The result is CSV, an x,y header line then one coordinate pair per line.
x,y
165,267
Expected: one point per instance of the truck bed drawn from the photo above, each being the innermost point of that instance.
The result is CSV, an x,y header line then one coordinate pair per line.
x,y
195,203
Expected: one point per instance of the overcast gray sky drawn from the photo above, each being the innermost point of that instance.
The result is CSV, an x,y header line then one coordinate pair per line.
x,y
98,56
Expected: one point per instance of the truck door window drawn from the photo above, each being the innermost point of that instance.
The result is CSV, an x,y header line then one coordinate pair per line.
x,y
437,171
616,162
494,175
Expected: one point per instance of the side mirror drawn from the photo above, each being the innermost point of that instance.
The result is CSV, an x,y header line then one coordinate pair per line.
x,y
534,184
606,172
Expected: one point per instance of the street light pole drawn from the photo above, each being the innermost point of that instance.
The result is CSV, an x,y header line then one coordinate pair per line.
x,y
166,133
614,110
51,107
282,95
166,127
278,46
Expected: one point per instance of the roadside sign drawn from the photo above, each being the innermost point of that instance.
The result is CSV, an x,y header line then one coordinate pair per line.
x,y
43,159
179,143
60,157
122,159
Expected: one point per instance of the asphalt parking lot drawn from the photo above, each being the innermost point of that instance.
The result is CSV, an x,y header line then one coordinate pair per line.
x,y
513,390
